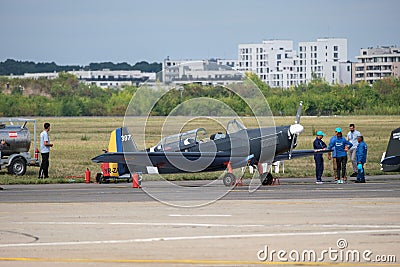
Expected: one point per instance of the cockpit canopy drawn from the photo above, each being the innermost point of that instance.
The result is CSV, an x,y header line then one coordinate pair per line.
x,y
186,140
234,126
182,141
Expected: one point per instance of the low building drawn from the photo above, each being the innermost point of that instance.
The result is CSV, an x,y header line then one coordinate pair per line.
x,y
114,78
376,63
206,72
102,78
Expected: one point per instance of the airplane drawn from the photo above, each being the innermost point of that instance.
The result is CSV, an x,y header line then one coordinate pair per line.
x,y
190,152
391,158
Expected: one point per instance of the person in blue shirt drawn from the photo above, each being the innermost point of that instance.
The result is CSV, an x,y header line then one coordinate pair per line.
x,y
319,160
361,155
340,146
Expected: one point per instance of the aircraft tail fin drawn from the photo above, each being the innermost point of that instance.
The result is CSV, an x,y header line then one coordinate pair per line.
x,y
121,141
391,162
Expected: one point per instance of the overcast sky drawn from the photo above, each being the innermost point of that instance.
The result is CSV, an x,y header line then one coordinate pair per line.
x,y
84,31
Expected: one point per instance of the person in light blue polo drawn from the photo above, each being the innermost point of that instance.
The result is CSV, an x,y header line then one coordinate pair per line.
x,y
340,146
361,155
319,160
352,137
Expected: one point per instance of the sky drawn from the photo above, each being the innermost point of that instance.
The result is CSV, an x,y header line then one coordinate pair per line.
x,y
78,32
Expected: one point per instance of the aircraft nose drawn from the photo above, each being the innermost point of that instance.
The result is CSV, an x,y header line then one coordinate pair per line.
x,y
296,129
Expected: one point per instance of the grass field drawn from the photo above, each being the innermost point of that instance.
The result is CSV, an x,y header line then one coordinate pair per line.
x,y
78,139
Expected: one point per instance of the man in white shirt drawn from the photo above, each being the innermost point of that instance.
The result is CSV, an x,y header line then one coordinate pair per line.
x,y
352,138
45,146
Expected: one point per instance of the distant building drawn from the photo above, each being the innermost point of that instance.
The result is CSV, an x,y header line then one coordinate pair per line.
x,y
102,78
277,64
325,58
376,63
46,75
206,72
114,78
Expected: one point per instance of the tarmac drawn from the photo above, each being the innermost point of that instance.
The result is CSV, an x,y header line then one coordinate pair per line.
x,y
296,223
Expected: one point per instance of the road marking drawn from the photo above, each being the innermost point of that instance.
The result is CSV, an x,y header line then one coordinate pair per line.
x,y
147,224
200,215
204,237
193,262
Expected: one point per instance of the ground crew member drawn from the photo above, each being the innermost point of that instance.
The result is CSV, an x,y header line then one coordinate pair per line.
x,y
45,146
340,147
352,136
361,155
333,160
319,160
2,145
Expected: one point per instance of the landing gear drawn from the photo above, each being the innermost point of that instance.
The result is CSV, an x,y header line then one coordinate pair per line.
x,y
266,178
229,179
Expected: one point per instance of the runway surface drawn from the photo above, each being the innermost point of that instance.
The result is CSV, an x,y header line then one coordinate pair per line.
x,y
294,223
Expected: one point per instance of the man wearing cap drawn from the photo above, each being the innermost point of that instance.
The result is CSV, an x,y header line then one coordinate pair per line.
x,y
352,136
340,147
319,160
3,144
361,156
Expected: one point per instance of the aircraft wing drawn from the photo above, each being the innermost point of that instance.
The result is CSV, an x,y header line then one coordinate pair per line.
x,y
141,160
300,153
392,160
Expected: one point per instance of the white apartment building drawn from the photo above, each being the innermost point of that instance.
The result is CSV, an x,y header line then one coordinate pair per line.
x,y
206,72
376,63
277,64
325,58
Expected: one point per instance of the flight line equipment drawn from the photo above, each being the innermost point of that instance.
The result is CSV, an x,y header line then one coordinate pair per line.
x,y
15,154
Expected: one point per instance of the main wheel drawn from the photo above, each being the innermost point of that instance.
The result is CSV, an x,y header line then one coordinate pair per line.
x,y
229,179
17,167
266,178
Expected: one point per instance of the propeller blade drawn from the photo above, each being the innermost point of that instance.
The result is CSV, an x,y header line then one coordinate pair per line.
x,y
298,115
295,130
291,147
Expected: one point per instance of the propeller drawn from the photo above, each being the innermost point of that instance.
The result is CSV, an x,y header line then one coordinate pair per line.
x,y
296,128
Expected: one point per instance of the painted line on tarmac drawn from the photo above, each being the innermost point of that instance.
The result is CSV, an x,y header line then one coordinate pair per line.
x,y
199,215
193,262
204,237
147,224
378,226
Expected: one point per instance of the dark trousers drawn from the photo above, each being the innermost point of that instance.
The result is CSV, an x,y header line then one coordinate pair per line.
x,y
44,167
341,166
361,174
319,167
